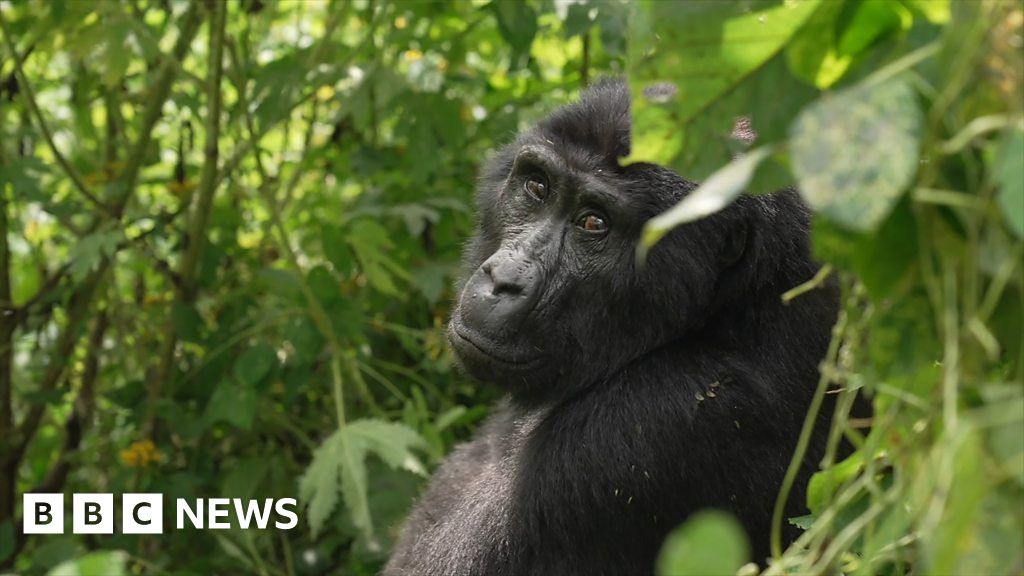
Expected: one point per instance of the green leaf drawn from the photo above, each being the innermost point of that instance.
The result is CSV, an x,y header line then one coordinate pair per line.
x,y
186,320
253,364
392,442
684,56
936,11
86,254
336,249
812,55
105,562
824,484
232,403
1009,175
710,543
716,193
517,23
339,465
320,484
370,241
854,152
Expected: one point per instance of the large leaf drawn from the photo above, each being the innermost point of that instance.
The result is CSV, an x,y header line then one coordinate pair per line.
x,y
854,152
684,56
710,543
339,465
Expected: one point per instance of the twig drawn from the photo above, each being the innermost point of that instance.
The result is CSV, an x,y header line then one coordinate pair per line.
x,y
815,282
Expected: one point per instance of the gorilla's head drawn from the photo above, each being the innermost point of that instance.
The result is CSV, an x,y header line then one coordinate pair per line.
x,y
554,299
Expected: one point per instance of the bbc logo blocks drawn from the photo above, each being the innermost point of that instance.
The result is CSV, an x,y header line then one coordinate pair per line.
x,y
93,514
144,513
44,514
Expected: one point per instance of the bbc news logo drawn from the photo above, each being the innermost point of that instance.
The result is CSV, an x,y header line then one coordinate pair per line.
x,y
144,513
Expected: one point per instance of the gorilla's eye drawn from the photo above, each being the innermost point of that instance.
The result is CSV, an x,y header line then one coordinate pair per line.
x,y
536,188
592,222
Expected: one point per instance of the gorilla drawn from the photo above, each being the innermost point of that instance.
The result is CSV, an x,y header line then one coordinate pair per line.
x,y
636,395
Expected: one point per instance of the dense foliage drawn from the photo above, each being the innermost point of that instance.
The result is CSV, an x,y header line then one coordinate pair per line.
x,y
228,234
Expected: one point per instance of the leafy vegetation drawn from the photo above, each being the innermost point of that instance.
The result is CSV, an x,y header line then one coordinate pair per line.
x,y
228,234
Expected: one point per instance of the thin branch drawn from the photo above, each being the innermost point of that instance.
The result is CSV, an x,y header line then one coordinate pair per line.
x,y
200,216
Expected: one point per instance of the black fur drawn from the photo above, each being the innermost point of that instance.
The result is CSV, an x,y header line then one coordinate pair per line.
x,y
636,395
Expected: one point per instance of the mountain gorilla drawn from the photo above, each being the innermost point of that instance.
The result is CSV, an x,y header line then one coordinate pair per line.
x,y
636,394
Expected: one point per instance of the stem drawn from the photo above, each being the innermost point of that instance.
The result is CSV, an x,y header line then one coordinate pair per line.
x,y
196,238
815,282
805,437
8,322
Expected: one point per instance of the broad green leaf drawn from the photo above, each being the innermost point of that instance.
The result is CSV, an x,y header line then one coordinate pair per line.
x,y
105,562
232,403
253,364
855,152
684,56
1009,174
710,543
716,193
517,23
812,55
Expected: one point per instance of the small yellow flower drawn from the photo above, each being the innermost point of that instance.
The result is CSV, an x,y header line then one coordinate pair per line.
x,y
400,22
140,454
324,93
413,55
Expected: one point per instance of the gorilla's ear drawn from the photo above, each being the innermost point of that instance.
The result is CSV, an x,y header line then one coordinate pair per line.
x,y
735,245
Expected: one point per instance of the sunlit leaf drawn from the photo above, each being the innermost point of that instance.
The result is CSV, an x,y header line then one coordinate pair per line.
x,y
716,193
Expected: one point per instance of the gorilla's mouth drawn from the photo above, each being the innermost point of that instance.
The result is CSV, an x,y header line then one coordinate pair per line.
x,y
472,349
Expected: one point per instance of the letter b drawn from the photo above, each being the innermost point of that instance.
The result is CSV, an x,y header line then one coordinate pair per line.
x,y
93,514
43,514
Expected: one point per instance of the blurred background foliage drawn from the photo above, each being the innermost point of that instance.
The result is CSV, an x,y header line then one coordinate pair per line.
x,y
229,234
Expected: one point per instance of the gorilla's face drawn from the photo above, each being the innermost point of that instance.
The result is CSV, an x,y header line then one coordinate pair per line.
x,y
554,298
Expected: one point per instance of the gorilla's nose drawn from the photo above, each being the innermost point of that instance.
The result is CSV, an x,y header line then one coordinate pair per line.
x,y
501,294
506,276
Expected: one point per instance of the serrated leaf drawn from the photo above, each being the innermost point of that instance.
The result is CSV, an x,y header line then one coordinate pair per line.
x,y
716,193
854,152
709,543
320,484
354,487
370,242
391,442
